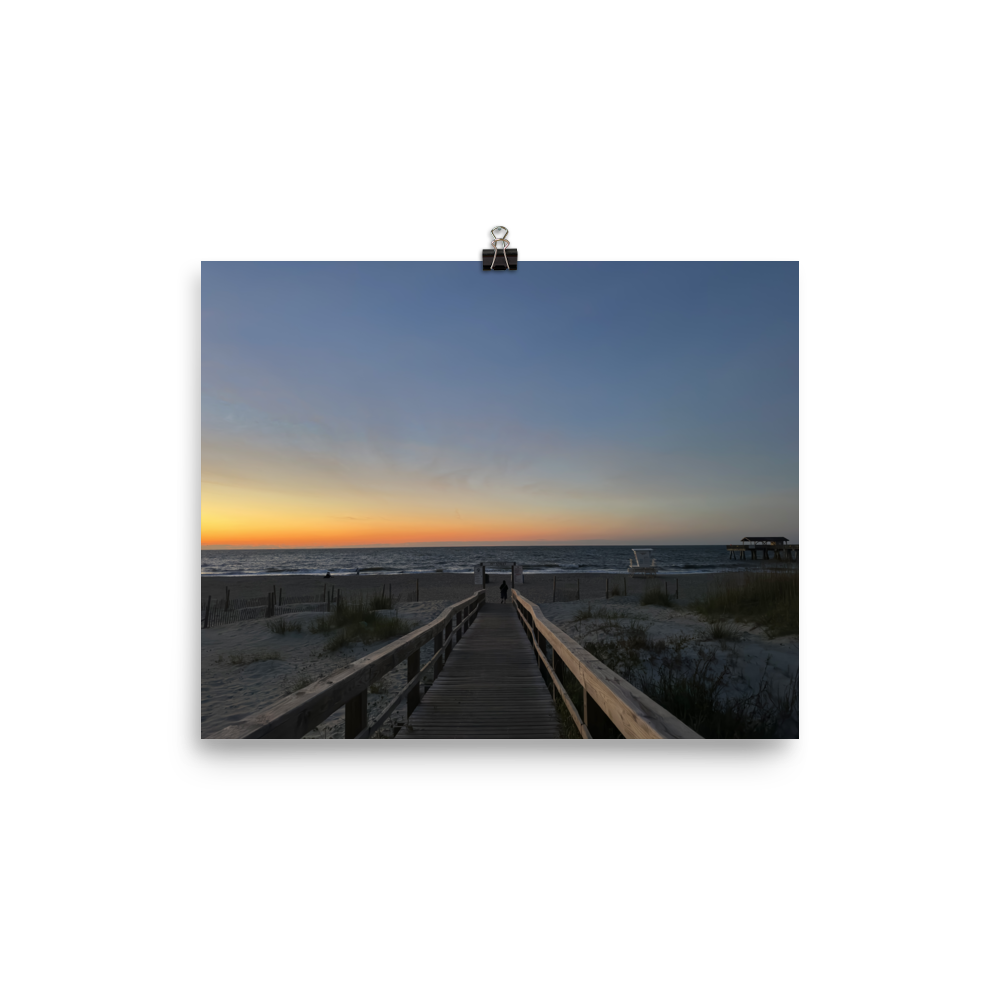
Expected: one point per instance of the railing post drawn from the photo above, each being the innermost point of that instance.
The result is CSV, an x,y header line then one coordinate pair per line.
x,y
600,726
438,643
355,715
448,641
412,669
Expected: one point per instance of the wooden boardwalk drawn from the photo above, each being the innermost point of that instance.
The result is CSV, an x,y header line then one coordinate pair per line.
x,y
490,688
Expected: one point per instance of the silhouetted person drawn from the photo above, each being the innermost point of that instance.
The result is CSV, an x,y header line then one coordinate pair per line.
x,y
503,591
327,577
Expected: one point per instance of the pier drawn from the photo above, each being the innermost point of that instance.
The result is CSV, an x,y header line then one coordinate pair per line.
x,y
491,671
764,547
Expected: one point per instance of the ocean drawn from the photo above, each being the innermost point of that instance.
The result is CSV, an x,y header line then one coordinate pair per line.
x,y
607,559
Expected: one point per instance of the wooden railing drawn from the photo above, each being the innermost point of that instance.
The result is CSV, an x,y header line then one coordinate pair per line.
x,y
299,713
608,699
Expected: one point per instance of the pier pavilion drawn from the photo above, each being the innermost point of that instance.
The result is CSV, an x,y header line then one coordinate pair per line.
x,y
765,545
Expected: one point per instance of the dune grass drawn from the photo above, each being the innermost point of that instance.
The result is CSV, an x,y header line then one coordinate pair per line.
x,y
617,638
360,618
724,631
282,625
658,597
696,697
768,598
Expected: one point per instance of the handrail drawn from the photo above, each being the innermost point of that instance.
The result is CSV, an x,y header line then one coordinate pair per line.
x,y
634,714
299,713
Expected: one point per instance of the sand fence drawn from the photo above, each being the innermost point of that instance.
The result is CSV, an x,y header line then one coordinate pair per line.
x,y
230,609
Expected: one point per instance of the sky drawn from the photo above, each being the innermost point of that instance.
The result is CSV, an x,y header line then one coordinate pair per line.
x,y
432,403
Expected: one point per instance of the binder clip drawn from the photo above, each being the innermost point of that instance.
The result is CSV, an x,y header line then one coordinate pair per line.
x,y
500,258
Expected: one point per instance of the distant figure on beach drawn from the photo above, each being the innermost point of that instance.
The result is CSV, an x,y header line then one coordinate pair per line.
x,y
503,591
327,577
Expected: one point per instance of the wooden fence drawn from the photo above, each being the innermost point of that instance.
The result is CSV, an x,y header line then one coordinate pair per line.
x,y
299,713
614,586
229,610
609,702
572,593
225,612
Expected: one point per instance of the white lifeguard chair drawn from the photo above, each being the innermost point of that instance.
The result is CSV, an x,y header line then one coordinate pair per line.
x,y
643,565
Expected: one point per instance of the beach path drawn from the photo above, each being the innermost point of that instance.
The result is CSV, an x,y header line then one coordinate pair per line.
x,y
490,688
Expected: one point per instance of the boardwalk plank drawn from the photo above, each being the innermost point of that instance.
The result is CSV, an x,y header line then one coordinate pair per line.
x,y
490,687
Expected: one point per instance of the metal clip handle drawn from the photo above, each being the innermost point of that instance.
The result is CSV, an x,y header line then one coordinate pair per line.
x,y
499,239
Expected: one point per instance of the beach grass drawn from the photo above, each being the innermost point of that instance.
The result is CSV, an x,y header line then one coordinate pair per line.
x,y
656,596
768,598
282,625
697,697
353,610
723,631
360,618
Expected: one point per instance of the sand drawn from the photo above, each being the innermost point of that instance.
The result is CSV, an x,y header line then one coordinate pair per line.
x,y
246,667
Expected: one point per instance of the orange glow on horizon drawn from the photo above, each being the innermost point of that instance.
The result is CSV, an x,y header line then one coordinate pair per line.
x,y
307,536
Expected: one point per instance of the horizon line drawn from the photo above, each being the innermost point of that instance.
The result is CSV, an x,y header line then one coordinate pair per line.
x,y
457,545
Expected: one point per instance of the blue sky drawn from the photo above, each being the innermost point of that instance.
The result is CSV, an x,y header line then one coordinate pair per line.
x,y
366,403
